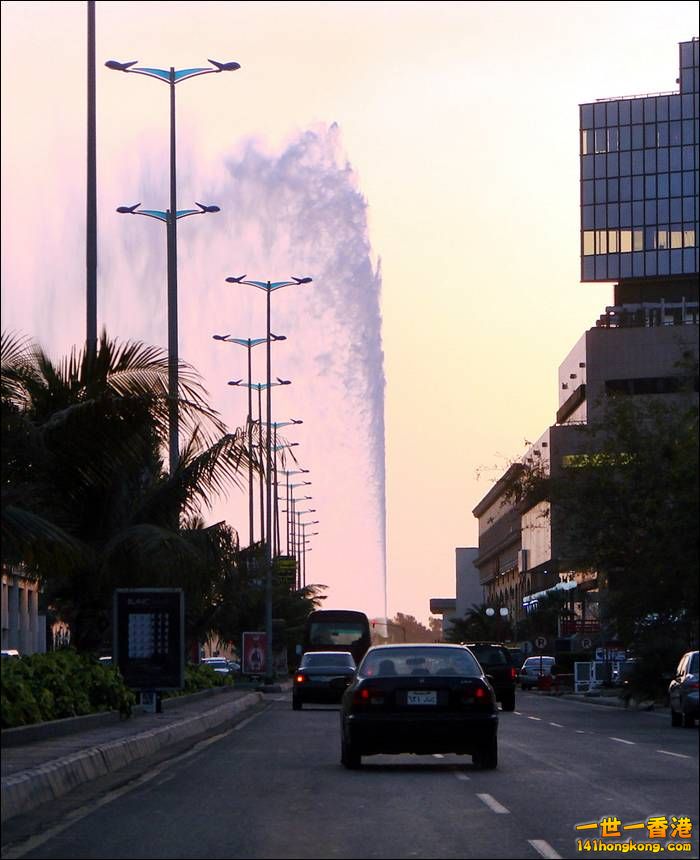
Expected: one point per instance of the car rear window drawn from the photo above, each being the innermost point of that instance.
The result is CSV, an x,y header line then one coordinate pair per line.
x,y
419,661
325,659
535,661
488,655
694,664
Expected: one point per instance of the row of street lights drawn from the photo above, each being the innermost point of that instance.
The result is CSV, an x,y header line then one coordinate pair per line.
x,y
170,218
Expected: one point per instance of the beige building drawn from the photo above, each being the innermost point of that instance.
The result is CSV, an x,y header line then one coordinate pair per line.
x,y
23,628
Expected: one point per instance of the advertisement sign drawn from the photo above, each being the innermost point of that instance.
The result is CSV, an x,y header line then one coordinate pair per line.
x,y
149,637
253,653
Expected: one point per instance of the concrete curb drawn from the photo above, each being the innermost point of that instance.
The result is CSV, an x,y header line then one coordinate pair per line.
x,y
28,789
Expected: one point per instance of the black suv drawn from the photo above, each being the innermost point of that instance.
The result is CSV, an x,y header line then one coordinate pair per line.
x,y
497,663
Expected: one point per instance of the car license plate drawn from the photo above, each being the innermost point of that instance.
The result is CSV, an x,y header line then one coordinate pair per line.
x,y
421,697
324,678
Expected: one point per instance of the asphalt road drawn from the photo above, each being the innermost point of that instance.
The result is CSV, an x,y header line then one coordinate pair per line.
x,y
272,787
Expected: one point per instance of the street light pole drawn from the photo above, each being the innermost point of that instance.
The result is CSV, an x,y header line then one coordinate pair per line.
x,y
172,77
268,286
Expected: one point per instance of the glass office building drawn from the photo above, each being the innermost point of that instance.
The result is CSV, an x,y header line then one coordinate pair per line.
x,y
639,182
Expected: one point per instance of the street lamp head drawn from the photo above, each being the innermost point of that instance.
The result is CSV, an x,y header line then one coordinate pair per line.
x,y
221,336
128,210
276,336
235,381
207,208
302,280
225,67
235,280
284,381
120,67
298,421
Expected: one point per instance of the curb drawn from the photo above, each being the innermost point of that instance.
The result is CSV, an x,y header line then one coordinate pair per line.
x,y
28,789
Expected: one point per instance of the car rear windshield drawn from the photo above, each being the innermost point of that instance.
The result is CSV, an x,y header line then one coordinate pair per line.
x,y
490,655
694,664
325,659
419,661
535,661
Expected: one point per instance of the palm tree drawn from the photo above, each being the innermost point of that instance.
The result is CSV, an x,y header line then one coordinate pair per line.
x,y
83,473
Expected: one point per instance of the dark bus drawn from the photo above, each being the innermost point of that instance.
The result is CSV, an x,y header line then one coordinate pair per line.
x,y
337,630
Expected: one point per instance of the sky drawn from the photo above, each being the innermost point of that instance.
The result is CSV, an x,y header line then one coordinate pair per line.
x,y
418,160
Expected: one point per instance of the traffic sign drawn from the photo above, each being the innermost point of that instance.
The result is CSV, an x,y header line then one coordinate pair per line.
x,y
541,642
586,644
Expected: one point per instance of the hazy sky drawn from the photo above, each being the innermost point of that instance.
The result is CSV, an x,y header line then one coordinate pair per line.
x,y
457,123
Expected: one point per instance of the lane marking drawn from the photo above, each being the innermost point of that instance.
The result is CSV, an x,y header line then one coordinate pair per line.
x,y
558,725
438,755
544,849
677,755
493,804
539,719
462,776
519,713
623,741
580,732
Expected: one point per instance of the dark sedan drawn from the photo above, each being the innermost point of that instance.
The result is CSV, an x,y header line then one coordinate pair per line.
x,y
421,699
322,677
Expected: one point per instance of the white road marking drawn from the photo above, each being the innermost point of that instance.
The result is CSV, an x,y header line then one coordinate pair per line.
x,y
558,725
623,741
493,804
677,755
539,719
462,776
438,755
544,849
519,713
580,732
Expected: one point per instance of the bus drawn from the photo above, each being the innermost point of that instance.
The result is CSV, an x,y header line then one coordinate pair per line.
x,y
337,630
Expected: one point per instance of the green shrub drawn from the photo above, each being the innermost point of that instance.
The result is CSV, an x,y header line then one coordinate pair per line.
x,y
59,684
200,677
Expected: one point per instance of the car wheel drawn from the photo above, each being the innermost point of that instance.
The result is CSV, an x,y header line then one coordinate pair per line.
x,y
523,686
508,702
676,719
296,703
688,721
487,757
349,755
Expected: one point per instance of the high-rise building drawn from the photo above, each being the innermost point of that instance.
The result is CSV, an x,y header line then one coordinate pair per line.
x,y
639,189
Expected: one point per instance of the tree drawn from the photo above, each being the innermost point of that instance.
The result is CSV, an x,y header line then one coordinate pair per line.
x,y
86,503
406,628
629,510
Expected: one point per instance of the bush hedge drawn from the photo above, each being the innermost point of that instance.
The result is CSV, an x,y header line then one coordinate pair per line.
x,y
41,687
200,677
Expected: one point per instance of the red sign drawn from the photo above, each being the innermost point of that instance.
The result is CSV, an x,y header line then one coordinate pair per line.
x,y
254,650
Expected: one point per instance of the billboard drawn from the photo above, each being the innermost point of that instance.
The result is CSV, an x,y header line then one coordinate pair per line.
x,y
253,653
149,637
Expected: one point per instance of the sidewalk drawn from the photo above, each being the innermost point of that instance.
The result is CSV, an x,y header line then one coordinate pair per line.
x,y
46,767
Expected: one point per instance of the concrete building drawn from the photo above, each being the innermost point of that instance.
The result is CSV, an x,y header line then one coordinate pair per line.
x,y
639,212
23,628
468,589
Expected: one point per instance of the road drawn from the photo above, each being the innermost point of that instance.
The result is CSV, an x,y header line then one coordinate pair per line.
x,y
272,787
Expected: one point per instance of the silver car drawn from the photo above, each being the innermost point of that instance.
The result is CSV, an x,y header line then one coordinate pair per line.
x,y
683,691
533,669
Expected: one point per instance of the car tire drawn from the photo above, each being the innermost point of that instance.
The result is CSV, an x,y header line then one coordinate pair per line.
x,y
508,702
676,719
524,687
688,721
487,757
350,756
296,703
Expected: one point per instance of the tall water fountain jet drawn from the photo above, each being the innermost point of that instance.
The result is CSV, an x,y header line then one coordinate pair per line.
x,y
293,212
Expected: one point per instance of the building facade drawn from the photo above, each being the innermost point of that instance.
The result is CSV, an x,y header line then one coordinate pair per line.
x,y
639,228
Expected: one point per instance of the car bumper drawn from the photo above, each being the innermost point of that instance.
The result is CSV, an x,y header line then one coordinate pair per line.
x,y
690,705
419,733
319,694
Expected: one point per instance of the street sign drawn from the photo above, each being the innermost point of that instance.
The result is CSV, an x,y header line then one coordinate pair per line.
x,y
540,642
586,644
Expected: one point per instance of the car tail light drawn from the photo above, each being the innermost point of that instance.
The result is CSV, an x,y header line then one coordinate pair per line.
x,y
479,695
513,673
368,696
299,678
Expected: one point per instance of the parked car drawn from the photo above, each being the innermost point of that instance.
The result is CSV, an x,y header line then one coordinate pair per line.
x,y
683,691
10,653
322,677
498,666
533,669
220,665
422,699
